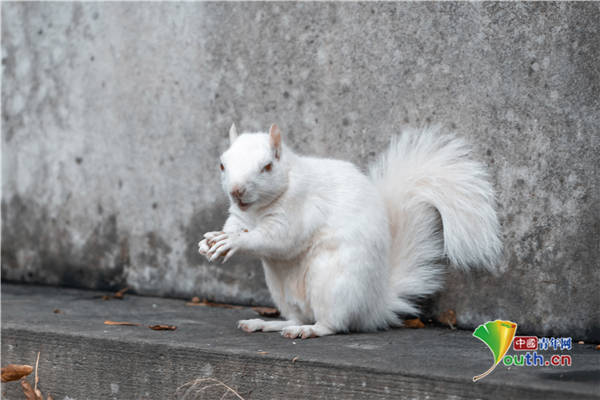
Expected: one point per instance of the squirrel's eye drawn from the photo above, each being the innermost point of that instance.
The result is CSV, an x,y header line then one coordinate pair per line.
x,y
222,167
267,167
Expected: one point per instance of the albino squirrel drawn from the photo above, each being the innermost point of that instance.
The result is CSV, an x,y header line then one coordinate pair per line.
x,y
343,251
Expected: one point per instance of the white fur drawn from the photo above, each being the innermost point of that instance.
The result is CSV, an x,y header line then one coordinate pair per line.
x,y
343,252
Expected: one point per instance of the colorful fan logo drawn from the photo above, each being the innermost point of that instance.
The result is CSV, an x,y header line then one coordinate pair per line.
x,y
498,336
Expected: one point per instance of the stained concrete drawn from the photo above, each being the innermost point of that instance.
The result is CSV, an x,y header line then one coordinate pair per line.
x,y
113,116
81,358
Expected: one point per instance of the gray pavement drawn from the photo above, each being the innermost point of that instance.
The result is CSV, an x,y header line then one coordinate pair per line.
x,y
81,358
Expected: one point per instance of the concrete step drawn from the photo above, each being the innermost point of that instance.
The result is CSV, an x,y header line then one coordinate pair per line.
x,y
82,358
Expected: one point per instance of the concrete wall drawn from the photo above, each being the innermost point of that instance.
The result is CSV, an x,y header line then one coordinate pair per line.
x,y
113,116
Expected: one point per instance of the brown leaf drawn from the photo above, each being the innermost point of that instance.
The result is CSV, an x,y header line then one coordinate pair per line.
x,y
267,311
121,323
13,372
28,391
105,297
294,359
57,311
448,317
263,352
581,342
211,304
121,293
196,299
163,327
598,347
415,323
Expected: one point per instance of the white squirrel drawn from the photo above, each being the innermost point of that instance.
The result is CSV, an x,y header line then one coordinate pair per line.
x,y
345,252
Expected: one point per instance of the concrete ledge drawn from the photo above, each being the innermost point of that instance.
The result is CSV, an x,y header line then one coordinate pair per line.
x,y
83,358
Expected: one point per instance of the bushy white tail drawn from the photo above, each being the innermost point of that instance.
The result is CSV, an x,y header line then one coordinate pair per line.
x,y
423,177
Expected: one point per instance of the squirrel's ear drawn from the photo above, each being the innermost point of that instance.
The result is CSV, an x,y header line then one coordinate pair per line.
x,y
232,133
275,140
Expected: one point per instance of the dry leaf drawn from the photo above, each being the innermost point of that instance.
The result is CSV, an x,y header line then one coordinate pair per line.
x,y
13,372
598,347
120,294
163,327
196,300
263,352
415,323
581,342
211,304
28,391
57,311
294,359
448,317
105,297
121,323
267,311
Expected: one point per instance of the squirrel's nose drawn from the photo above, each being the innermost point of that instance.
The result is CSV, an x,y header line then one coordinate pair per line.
x,y
237,192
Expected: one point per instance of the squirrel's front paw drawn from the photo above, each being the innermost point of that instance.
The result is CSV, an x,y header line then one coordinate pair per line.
x,y
205,244
222,245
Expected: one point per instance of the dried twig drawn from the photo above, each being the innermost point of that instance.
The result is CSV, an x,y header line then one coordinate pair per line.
x,y
213,382
37,379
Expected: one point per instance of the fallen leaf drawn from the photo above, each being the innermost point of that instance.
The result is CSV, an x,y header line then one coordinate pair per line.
x,y
415,323
163,327
121,293
294,359
448,317
28,391
267,311
121,323
56,311
211,304
196,300
598,347
105,297
13,372
581,342
263,352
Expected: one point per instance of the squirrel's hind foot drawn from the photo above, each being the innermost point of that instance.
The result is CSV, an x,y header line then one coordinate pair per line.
x,y
306,331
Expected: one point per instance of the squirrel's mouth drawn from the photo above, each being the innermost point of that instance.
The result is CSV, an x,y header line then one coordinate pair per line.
x,y
243,206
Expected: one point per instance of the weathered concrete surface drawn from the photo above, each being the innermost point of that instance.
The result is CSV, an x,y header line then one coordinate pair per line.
x,y
83,358
114,114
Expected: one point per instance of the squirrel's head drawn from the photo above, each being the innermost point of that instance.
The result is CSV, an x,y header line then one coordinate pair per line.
x,y
252,171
